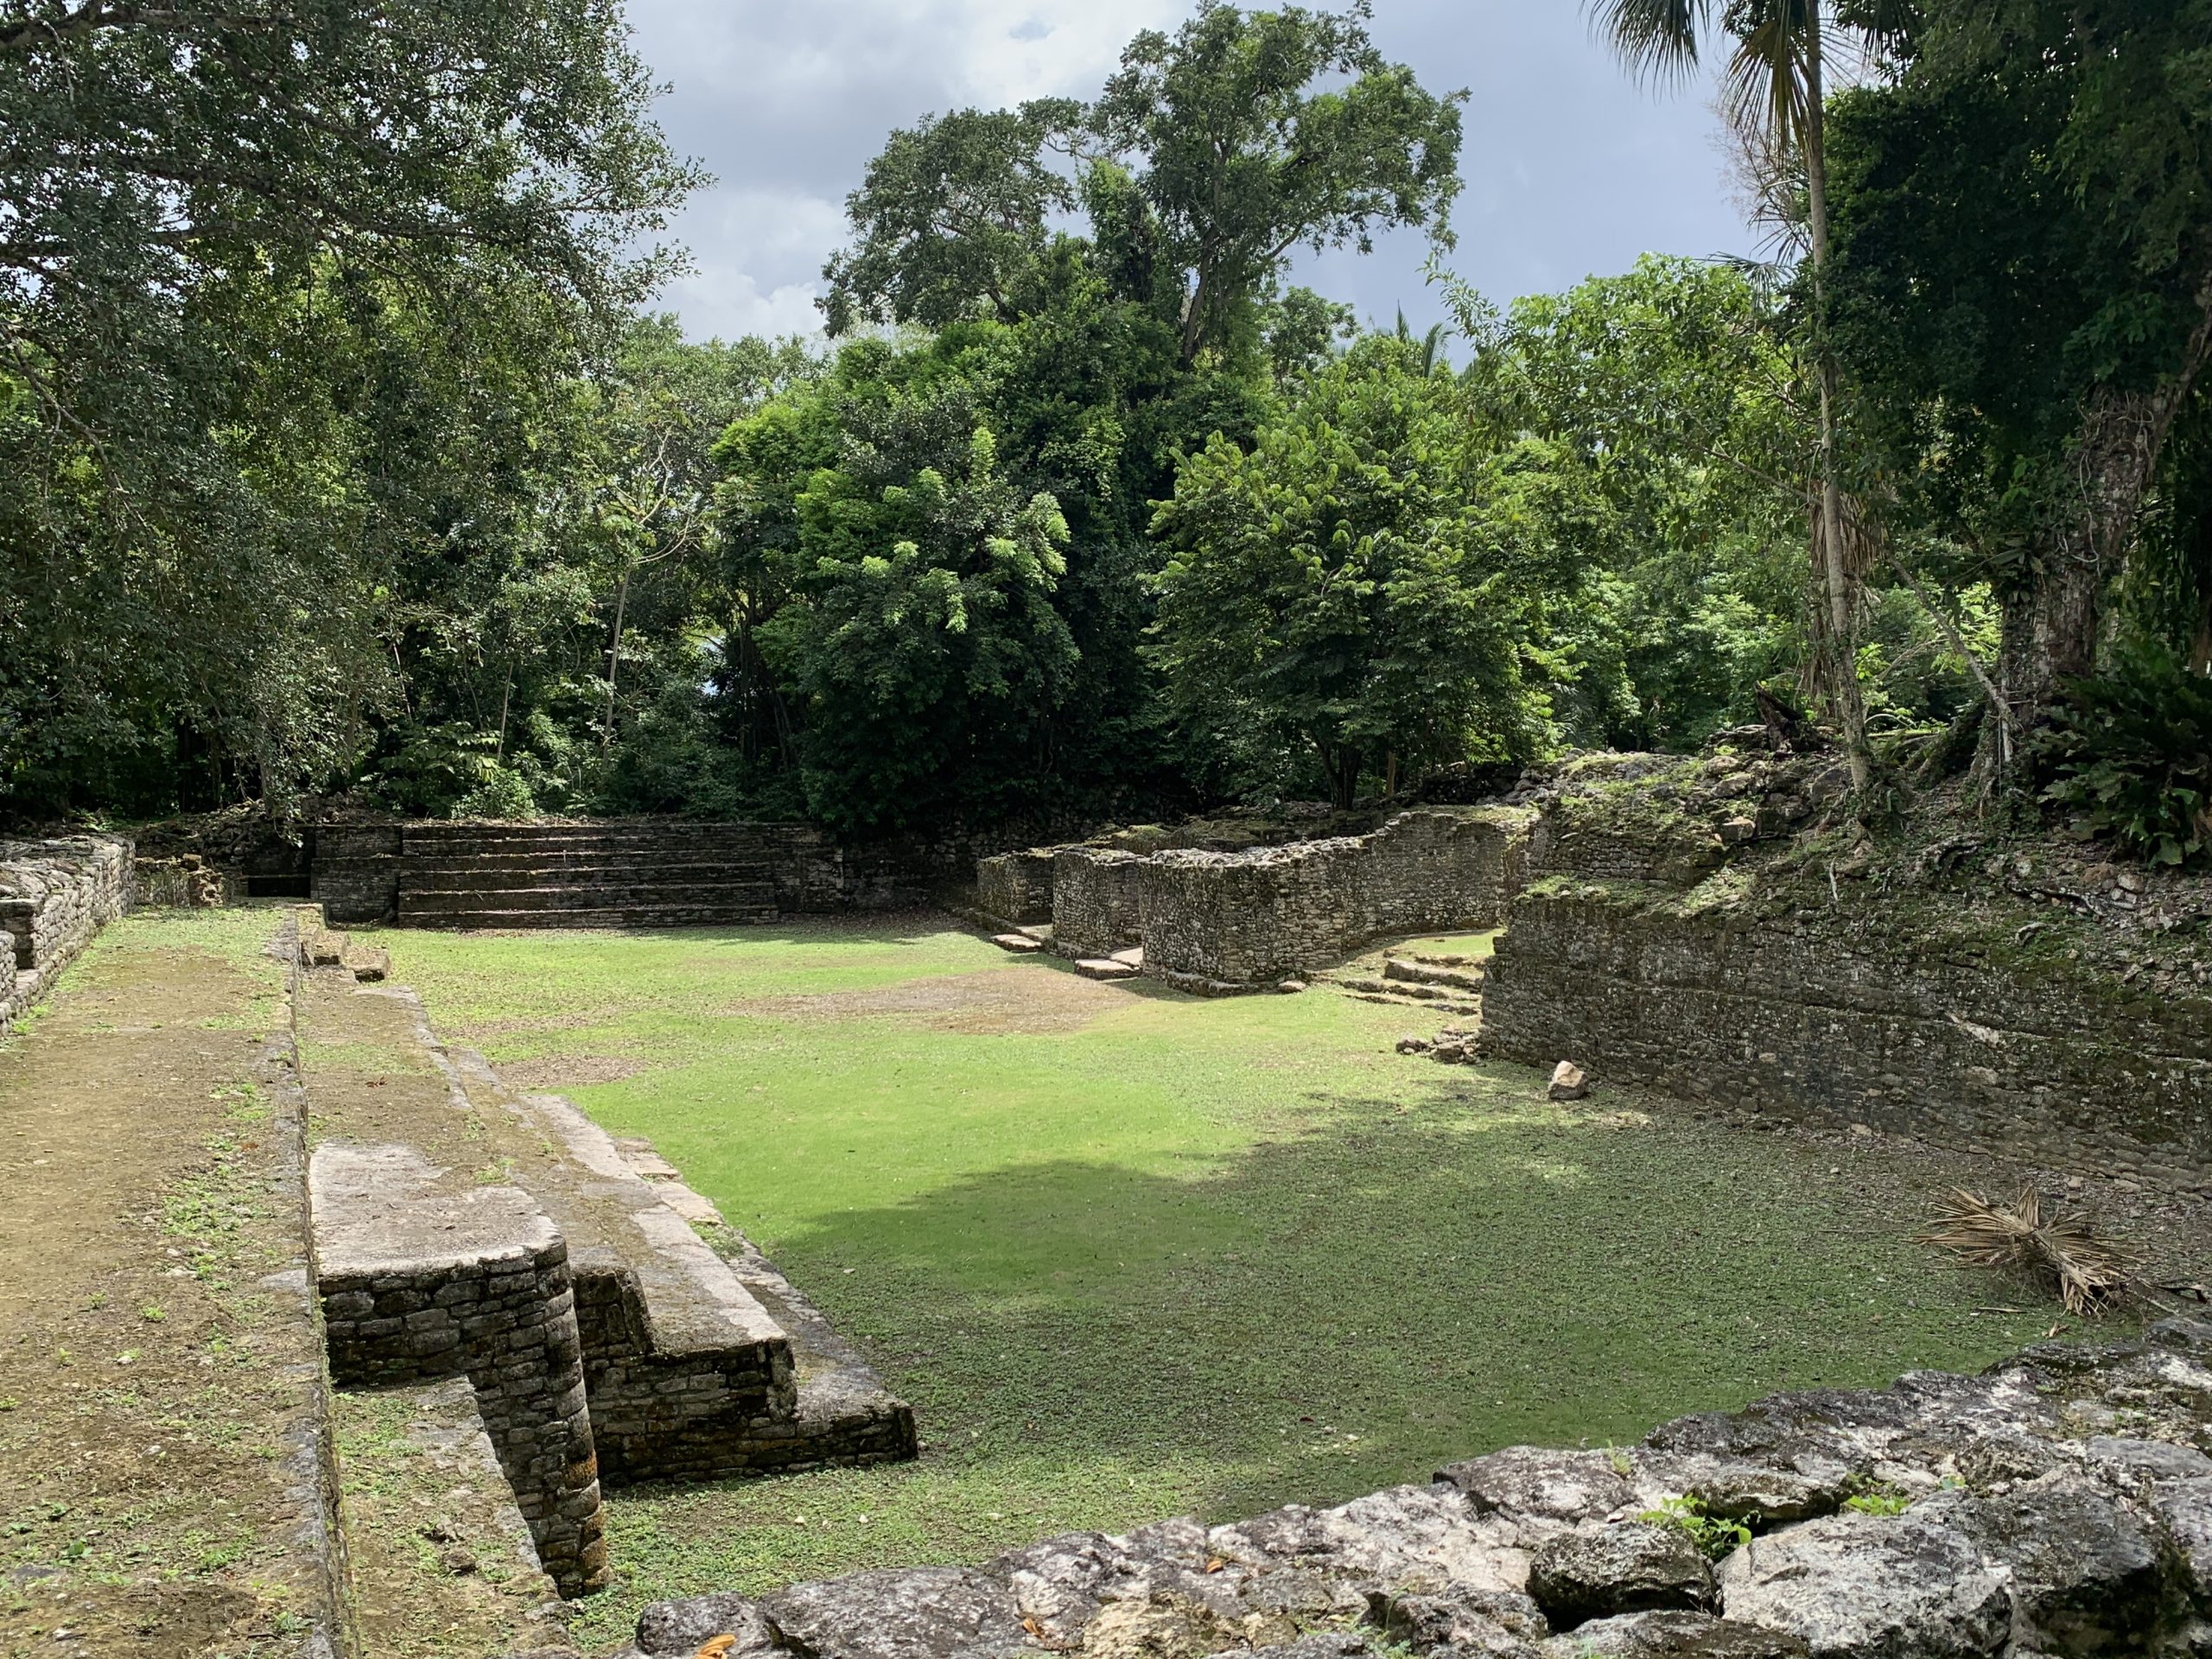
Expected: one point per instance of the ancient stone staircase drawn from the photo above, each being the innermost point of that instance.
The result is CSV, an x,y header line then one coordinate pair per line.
x,y
632,873
1436,983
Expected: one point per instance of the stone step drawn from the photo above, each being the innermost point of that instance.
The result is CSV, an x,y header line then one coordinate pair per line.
x,y
583,895
1105,968
474,845
630,916
1019,943
1418,970
444,872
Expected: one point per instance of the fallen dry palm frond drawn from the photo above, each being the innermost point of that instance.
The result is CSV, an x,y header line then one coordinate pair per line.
x,y
2089,1275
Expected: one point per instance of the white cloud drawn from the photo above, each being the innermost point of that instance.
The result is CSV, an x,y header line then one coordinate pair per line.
x,y
1570,167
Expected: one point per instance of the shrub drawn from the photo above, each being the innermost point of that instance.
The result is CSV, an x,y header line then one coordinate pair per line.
x,y
2131,752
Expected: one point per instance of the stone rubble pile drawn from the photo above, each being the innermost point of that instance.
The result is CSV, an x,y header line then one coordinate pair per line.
x,y
2059,1506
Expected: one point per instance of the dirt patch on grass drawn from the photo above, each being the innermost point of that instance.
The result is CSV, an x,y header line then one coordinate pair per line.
x,y
1032,997
157,1357
567,1070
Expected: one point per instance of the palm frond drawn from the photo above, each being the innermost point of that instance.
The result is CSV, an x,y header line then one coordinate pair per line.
x,y
2089,1275
1657,38
1766,87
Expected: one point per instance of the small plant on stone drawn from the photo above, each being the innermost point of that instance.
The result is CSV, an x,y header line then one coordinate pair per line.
x,y
1714,1534
1882,1501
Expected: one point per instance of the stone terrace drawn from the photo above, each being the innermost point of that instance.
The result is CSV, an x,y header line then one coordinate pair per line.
x,y
467,1229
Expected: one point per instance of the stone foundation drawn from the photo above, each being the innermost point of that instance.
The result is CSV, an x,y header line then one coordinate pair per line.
x,y
2060,1504
55,896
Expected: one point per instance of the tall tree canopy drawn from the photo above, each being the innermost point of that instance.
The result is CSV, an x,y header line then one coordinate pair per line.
x,y
271,277
2024,298
1210,155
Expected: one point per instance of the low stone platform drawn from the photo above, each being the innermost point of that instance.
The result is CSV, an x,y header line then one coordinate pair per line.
x,y
467,1229
2059,1504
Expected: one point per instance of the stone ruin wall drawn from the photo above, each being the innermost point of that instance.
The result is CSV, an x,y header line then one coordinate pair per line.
x,y
55,895
1639,953
1016,887
1098,900
1796,1014
1243,921
1236,921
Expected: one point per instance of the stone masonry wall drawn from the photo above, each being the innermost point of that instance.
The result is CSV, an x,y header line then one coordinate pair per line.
x,y
1842,1016
1016,887
1097,901
55,896
418,1285
1243,920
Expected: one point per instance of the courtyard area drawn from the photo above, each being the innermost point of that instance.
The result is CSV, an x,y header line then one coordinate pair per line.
x,y
1131,1253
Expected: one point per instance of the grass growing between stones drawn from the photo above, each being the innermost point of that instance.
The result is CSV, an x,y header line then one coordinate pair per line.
x,y
1132,1254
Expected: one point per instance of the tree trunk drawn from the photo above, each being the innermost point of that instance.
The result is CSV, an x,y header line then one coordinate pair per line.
x,y
1834,554
615,658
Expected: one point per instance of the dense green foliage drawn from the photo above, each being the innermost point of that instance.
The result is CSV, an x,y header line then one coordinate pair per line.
x,y
336,455
284,291
1365,584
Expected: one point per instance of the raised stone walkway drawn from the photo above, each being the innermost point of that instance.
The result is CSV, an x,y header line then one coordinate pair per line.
x,y
2059,1504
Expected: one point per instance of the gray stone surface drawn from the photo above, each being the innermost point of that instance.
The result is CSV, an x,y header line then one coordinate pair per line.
x,y
1531,1483
923,1613
1627,1566
1673,1636
1528,1553
680,1627
2085,1576
1869,1586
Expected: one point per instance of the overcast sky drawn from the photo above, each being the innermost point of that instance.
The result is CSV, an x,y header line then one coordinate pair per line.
x,y
1571,167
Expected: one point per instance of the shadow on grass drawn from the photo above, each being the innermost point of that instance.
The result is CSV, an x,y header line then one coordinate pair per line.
x,y
1405,1284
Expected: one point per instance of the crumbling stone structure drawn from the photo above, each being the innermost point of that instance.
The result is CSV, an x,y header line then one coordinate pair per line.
x,y
1098,900
1239,921
1017,887
421,1282
1853,1018
2061,1503
1218,922
55,896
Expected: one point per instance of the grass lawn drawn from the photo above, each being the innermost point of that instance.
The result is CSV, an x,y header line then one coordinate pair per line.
x,y
1133,1254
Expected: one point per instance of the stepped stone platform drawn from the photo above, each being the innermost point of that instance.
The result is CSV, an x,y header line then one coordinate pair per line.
x,y
466,1230
611,873
2058,1506
624,874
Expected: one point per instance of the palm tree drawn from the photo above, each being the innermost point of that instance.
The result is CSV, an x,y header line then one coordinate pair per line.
x,y
1775,87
